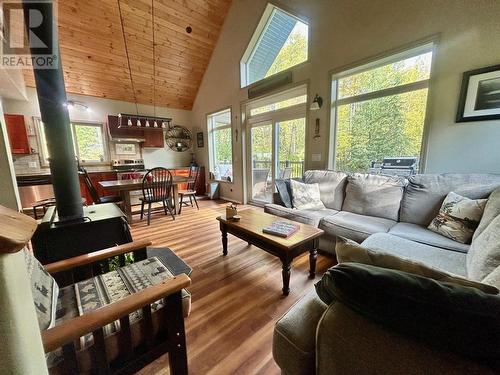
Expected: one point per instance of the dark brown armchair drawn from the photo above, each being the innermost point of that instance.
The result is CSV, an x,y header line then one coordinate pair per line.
x,y
151,319
134,345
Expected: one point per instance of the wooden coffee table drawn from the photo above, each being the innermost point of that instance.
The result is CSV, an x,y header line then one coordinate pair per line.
x,y
249,229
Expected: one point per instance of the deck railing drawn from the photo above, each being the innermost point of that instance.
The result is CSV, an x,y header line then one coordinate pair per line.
x,y
296,167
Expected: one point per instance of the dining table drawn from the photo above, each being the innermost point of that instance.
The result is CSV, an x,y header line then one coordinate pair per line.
x,y
124,187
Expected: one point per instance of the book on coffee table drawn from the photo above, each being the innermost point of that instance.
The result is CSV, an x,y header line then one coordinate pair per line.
x,y
282,229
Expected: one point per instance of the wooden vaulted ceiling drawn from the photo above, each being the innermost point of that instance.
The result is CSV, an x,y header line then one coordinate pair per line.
x,y
93,49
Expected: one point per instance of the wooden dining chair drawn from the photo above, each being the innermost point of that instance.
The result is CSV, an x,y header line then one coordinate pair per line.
x,y
191,189
156,188
93,191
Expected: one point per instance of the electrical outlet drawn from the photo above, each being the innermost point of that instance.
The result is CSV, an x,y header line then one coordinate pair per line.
x,y
316,157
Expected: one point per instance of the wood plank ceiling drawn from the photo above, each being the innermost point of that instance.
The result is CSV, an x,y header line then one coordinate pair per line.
x,y
93,48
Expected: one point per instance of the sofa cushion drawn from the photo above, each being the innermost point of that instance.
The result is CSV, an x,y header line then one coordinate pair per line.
x,y
374,195
445,316
484,253
425,193
306,196
349,251
44,289
354,226
310,217
294,339
493,278
450,261
491,211
423,235
458,217
331,186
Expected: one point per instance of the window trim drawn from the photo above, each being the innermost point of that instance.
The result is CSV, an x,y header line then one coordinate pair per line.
x,y
429,44
41,138
211,148
257,36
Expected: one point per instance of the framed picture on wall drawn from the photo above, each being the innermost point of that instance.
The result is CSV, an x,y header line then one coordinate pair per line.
x,y
125,149
480,95
199,139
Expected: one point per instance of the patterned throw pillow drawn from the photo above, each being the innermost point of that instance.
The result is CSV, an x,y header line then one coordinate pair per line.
x,y
306,196
44,289
458,217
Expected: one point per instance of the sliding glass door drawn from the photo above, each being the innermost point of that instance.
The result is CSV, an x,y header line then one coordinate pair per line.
x,y
276,141
262,161
277,150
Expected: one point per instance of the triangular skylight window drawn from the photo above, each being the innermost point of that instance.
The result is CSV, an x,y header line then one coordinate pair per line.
x,y
279,42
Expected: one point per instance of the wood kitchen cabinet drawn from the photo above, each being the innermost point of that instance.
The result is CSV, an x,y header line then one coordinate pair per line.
x,y
152,138
95,177
18,136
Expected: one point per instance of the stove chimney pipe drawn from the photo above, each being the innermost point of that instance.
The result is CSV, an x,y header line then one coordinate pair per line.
x,y
52,102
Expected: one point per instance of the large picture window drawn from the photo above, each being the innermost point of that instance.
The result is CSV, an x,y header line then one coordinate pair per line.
x,y
378,110
220,145
88,140
279,42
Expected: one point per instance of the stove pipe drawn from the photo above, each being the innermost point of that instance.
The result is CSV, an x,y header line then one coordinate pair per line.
x,y
52,99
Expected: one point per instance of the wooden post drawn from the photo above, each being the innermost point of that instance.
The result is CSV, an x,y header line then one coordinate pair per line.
x,y
21,351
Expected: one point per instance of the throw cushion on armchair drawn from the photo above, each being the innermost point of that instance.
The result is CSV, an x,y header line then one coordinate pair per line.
x,y
445,316
44,289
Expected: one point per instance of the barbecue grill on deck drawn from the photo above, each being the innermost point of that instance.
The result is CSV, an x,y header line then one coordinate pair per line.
x,y
400,166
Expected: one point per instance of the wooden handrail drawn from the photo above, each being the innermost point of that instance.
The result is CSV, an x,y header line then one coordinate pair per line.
x,y
96,256
16,230
72,329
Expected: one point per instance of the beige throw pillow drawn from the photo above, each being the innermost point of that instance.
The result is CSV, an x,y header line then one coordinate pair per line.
x,y
306,196
458,217
350,251
493,278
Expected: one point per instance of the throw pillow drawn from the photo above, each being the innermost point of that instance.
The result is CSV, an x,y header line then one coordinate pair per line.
x,y
306,196
284,191
44,289
458,217
350,251
446,316
484,253
493,278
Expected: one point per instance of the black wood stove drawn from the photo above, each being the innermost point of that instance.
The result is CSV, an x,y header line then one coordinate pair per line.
x,y
102,226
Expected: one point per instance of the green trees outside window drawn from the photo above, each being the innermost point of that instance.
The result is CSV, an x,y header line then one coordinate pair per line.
x,y
380,113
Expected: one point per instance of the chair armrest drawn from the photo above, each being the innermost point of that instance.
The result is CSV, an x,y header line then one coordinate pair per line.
x,y
81,260
72,329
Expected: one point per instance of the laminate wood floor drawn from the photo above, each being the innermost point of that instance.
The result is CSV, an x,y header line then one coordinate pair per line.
x,y
236,300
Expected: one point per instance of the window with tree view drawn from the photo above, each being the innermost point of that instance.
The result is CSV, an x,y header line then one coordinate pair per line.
x,y
220,145
88,141
379,110
279,42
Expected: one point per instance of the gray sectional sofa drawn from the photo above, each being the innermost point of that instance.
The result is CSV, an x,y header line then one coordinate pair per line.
x,y
390,215
389,212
